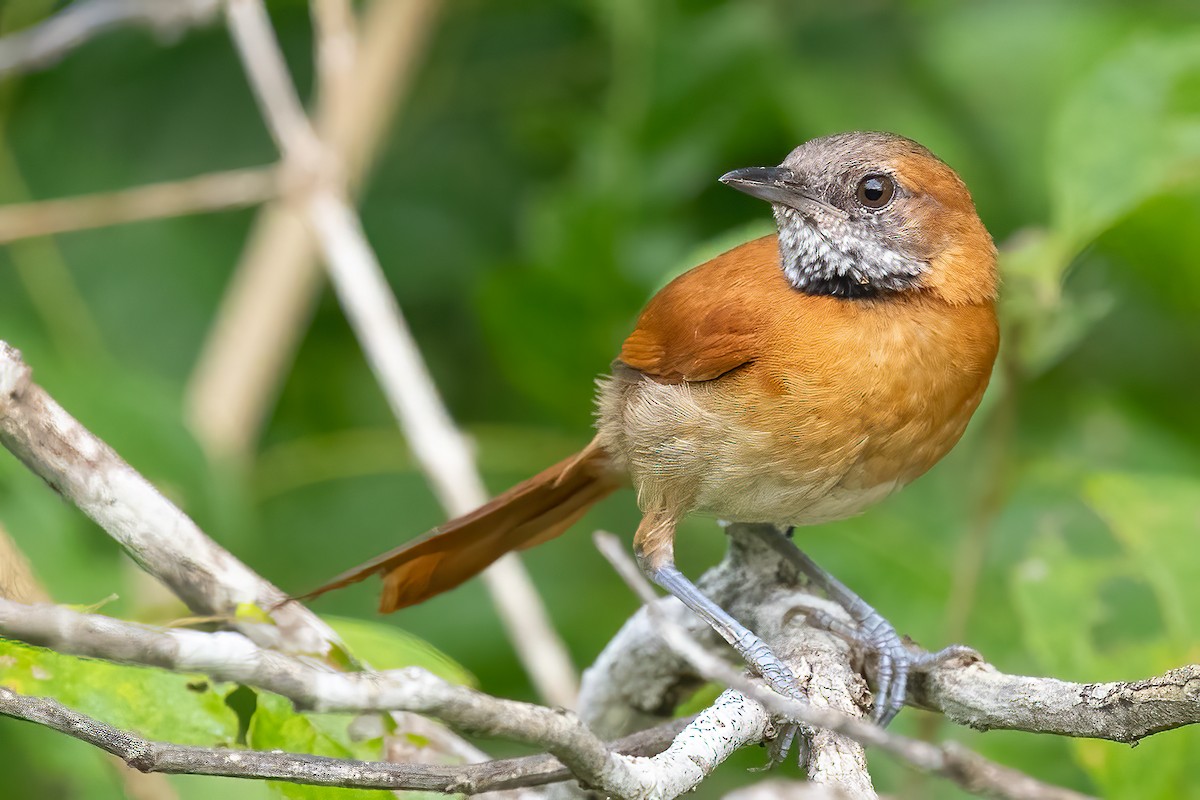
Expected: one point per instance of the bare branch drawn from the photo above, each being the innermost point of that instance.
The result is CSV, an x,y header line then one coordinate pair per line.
x,y
730,723
819,660
980,696
163,757
218,191
46,43
949,760
156,534
374,314
737,718
159,536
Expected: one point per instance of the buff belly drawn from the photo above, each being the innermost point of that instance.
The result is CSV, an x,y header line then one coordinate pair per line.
x,y
687,448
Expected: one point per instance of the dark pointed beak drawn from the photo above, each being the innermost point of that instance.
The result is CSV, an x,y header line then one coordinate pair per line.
x,y
773,184
776,185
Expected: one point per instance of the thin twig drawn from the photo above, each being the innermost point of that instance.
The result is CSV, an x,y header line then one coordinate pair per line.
x,y
375,316
729,724
155,533
217,191
164,757
282,110
46,43
336,52
267,303
159,536
949,760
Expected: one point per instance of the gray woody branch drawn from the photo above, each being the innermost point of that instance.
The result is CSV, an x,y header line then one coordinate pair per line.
x,y
761,592
730,723
741,715
164,757
159,536
155,532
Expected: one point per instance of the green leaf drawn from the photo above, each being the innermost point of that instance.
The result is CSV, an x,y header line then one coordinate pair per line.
x,y
1129,132
387,647
276,726
1050,322
1098,614
152,703
1157,519
243,701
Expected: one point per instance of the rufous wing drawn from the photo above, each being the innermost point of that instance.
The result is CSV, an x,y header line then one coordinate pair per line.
x,y
706,322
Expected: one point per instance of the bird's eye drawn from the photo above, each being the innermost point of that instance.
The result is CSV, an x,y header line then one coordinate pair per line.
x,y
875,191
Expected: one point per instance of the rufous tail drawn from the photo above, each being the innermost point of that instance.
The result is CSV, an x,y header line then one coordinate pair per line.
x,y
528,514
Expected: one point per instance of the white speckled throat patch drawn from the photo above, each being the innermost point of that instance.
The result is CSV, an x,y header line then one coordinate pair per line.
x,y
833,255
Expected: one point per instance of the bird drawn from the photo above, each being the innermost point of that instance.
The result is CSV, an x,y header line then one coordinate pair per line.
x,y
794,380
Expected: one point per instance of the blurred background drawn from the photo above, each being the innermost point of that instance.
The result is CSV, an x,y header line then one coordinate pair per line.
x,y
549,166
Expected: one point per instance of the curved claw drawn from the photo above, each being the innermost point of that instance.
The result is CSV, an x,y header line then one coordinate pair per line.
x,y
895,662
784,682
894,659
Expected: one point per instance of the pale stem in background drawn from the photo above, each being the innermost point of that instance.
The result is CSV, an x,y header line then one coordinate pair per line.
x,y
336,52
375,316
44,44
266,306
217,191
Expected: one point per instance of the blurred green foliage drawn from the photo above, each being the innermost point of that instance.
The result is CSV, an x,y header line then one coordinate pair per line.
x,y
555,164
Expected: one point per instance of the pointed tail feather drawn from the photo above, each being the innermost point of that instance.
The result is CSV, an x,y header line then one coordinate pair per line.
x,y
528,514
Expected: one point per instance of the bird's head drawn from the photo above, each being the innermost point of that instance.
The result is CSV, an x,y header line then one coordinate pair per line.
x,y
864,215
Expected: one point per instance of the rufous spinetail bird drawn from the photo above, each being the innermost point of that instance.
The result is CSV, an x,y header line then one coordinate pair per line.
x,y
794,380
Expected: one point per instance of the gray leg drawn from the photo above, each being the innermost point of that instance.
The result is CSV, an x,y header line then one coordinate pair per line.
x,y
871,631
749,646
654,545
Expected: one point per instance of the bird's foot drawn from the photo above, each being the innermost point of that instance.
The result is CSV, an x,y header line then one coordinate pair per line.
x,y
781,745
895,657
780,678
789,733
